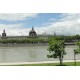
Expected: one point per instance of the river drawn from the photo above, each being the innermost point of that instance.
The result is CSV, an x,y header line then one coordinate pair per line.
x,y
32,54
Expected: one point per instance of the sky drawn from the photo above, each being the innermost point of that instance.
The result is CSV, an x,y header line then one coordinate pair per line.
x,y
19,24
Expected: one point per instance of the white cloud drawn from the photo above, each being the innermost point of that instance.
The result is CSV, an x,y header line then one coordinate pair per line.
x,y
16,16
18,32
15,29
10,28
69,24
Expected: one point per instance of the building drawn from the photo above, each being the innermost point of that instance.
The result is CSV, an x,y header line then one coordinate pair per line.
x,y
32,33
4,34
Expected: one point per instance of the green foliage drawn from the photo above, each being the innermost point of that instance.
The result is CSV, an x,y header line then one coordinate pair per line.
x,y
57,47
73,38
42,40
77,51
28,40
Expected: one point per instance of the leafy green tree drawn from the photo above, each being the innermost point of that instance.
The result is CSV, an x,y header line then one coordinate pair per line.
x,y
57,47
76,51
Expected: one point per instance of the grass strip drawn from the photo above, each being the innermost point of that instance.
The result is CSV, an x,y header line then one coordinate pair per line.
x,y
47,64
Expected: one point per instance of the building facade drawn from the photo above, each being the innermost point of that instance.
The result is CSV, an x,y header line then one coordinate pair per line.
x,y
32,34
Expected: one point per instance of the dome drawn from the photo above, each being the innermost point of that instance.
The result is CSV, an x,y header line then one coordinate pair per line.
x,y
32,33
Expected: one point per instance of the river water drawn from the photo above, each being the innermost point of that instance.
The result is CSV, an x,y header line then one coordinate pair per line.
x,y
32,54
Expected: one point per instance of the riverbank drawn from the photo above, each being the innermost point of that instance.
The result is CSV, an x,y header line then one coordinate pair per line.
x,y
22,45
42,63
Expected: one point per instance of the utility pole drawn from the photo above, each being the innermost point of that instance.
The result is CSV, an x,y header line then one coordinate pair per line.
x,y
74,57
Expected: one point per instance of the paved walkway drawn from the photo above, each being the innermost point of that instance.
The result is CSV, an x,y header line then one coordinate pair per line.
x,y
17,63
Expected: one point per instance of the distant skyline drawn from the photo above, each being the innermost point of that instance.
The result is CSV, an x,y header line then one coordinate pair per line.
x,y
19,24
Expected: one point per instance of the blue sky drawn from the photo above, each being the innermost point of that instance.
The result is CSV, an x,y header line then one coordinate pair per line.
x,y
42,19
39,20
21,23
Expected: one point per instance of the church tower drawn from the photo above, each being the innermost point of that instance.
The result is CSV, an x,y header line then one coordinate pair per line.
x,y
4,33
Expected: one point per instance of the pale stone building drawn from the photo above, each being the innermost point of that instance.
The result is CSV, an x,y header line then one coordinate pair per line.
x,y
32,34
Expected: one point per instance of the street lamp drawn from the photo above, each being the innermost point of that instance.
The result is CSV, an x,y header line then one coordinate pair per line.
x,y
74,57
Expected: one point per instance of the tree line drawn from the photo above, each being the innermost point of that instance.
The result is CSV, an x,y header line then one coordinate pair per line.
x,y
74,38
28,40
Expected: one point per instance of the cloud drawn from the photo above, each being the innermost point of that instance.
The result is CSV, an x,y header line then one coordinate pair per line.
x,y
18,32
69,24
16,16
15,29
10,28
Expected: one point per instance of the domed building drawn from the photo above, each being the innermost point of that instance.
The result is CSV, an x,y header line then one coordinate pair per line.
x,y
32,33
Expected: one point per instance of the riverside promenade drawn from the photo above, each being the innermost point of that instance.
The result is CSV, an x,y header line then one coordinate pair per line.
x,y
42,62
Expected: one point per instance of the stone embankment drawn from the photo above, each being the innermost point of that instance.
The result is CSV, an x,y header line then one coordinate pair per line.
x,y
22,45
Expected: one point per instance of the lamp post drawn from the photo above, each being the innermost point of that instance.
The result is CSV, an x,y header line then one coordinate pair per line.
x,y
74,57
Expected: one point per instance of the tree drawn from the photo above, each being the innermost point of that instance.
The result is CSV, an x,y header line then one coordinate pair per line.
x,y
76,51
57,47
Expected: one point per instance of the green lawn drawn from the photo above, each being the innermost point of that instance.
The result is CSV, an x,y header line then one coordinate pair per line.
x,y
49,64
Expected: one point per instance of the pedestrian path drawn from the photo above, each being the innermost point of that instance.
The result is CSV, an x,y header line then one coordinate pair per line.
x,y
17,63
